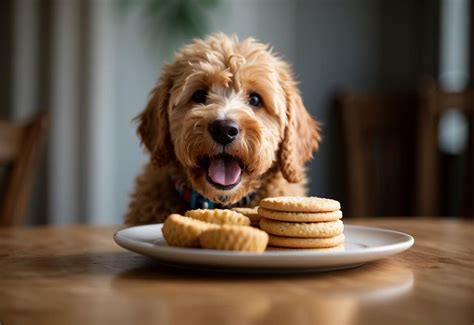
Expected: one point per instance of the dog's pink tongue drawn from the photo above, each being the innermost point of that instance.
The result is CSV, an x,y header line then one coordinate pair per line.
x,y
224,170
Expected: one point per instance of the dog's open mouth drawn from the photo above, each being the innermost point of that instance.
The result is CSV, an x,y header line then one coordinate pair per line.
x,y
223,171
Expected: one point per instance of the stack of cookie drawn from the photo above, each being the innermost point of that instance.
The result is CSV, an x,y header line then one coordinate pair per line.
x,y
302,222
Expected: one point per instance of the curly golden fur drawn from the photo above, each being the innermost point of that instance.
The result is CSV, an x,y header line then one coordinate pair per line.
x,y
275,139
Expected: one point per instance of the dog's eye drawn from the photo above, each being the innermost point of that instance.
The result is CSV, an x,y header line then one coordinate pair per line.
x,y
200,96
255,100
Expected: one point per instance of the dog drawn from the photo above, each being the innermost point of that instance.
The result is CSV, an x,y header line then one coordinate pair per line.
x,y
225,126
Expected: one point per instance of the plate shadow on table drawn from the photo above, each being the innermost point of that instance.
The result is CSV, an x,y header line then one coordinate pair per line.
x,y
379,272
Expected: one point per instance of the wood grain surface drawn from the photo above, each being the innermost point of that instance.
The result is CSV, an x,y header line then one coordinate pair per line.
x,y
78,275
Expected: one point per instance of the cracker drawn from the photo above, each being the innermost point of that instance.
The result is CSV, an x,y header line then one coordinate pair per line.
x,y
300,216
235,238
305,242
182,231
300,204
302,229
219,216
251,213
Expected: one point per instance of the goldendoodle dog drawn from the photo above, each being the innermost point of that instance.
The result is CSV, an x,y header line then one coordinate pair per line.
x,y
225,126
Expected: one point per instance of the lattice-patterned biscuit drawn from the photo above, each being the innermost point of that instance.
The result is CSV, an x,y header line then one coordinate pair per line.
x,y
183,231
235,238
305,242
251,213
302,229
219,216
300,204
300,216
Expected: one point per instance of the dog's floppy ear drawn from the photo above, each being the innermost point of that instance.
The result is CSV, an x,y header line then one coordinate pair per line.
x,y
302,133
153,125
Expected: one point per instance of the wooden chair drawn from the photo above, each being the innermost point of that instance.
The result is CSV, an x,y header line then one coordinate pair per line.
x,y
378,132
435,102
21,146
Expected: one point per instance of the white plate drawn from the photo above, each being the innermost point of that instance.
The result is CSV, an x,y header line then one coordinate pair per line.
x,y
362,245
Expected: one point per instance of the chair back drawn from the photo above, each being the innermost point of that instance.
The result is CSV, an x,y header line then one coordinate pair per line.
x,y
379,152
21,147
434,103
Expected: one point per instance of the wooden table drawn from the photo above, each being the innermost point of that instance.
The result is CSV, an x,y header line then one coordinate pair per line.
x,y
69,275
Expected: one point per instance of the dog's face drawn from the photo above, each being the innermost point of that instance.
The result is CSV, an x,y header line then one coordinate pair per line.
x,y
228,112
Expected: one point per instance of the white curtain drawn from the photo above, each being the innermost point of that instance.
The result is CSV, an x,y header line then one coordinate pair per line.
x,y
63,58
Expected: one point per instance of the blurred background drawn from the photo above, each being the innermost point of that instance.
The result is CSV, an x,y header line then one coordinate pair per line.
x,y
389,81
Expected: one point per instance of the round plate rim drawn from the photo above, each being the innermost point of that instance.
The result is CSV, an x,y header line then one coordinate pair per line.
x,y
381,251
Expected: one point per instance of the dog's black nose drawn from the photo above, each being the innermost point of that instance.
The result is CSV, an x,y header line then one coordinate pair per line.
x,y
224,131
